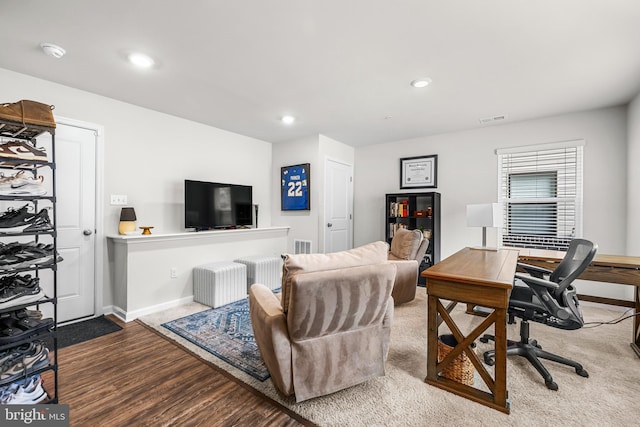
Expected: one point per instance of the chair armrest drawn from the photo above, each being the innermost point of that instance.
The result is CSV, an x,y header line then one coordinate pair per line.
x,y
534,270
535,281
269,325
544,290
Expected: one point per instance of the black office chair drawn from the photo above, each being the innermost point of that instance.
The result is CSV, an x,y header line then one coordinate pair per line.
x,y
553,302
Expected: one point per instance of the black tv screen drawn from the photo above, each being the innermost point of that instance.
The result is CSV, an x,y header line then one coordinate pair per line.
x,y
209,205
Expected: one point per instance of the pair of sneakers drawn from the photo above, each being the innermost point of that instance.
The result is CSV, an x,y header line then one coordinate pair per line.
x,y
28,391
22,220
18,289
23,360
16,255
21,184
22,150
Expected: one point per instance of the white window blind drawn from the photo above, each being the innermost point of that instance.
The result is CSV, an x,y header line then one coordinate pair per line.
x,y
540,189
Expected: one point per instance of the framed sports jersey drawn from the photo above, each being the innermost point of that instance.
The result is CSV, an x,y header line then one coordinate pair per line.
x,y
294,187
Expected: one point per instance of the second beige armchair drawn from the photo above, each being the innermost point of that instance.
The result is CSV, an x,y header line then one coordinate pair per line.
x,y
331,329
407,250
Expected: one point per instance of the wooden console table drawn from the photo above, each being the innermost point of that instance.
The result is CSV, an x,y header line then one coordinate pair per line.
x,y
477,277
619,269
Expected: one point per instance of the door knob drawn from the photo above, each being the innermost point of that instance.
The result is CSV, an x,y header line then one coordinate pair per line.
x,y
87,232
329,224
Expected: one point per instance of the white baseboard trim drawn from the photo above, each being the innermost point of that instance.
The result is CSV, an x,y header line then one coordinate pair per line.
x,y
606,306
107,310
128,316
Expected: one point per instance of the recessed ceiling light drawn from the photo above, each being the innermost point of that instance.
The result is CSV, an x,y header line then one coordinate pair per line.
x,y
420,83
141,60
53,50
287,120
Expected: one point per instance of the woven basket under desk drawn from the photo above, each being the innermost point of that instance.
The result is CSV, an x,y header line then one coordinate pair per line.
x,y
461,370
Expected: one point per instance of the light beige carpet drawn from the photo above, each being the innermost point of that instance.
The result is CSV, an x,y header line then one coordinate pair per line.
x,y
609,397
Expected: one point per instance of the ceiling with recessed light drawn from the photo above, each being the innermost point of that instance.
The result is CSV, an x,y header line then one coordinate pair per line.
x,y
341,68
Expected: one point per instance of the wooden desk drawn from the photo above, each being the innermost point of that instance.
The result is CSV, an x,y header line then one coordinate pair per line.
x,y
620,269
476,277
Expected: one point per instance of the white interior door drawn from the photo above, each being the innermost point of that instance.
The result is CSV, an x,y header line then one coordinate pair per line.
x,y
338,208
76,220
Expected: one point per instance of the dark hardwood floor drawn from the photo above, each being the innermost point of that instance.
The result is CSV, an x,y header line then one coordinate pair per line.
x,y
135,377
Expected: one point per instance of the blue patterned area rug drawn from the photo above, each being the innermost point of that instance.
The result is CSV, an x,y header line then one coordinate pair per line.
x,y
225,332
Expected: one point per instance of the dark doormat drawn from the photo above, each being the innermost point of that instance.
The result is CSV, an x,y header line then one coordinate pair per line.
x,y
85,330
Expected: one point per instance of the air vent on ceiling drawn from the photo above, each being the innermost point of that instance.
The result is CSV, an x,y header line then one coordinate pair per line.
x,y
486,120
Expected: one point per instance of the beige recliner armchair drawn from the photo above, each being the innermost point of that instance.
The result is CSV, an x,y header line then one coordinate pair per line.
x,y
330,330
407,250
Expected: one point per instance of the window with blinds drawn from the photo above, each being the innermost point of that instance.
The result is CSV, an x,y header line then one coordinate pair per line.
x,y
540,190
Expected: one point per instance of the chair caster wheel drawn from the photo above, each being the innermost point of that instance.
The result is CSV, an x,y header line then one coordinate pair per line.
x,y
489,360
551,385
484,339
582,373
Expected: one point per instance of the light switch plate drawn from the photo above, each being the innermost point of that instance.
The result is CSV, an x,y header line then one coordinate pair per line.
x,y
117,199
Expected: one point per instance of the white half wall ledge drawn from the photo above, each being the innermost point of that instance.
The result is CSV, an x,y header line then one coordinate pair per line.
x,y
194,235
154,271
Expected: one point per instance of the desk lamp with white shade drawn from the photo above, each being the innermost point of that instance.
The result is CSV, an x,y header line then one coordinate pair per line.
x,y
484,215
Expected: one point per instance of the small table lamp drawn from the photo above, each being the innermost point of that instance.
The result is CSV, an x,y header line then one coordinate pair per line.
x,y
127,221
484,215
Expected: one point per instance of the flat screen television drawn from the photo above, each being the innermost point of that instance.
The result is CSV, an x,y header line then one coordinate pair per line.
x,y
209,205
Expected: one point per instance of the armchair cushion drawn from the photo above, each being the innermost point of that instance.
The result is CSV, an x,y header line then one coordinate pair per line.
x,y
370,254
405,244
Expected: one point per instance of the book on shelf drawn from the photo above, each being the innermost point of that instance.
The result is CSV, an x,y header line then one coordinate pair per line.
x,y
394,227
399,209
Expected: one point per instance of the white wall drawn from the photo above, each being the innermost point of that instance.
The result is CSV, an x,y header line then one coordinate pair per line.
x,y
467,173
306,225
147,155
633,182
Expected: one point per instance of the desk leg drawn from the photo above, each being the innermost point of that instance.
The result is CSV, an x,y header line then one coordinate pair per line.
x,y
500,367
635,344
497,397
432,338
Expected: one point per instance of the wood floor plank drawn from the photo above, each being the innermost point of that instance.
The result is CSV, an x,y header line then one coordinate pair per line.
x,y
135,377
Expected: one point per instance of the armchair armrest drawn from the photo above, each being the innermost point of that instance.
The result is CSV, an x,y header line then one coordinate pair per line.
x,y
534,270
406,281
269,325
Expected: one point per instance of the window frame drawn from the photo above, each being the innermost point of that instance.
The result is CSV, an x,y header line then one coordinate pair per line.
x,y
563,210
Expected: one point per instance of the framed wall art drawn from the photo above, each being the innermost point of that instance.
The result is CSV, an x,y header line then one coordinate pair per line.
x,y
419,172
294,187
